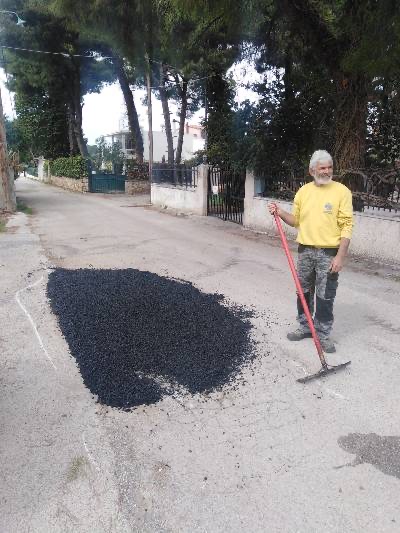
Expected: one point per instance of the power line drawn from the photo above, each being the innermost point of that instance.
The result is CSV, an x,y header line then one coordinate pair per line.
x,y
195,80
100,58
64,54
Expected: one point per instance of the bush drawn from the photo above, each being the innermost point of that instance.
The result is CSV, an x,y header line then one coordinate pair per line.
x,y
70,167
137,171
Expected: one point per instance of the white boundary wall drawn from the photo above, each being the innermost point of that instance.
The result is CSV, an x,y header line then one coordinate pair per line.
x,y
375,236
191,200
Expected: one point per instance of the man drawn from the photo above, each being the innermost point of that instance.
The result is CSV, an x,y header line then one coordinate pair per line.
x,y
323,214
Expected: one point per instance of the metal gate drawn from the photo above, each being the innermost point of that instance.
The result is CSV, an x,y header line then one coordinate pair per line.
x,y
225,198
106,183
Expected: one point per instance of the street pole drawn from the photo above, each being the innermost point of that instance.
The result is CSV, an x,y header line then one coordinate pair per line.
x,y
150,116
205,115
7,189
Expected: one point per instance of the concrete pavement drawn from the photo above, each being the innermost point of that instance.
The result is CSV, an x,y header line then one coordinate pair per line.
x,y
267,454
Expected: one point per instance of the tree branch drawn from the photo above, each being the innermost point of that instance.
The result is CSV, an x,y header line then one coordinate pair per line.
x,y
317,33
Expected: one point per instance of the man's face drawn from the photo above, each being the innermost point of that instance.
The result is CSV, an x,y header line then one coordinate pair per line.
x,y
322,172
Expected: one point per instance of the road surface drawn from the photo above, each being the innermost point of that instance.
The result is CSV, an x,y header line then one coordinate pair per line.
x,y
266,454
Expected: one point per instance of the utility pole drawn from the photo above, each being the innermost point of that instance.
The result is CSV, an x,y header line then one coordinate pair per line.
x,y
205,116
7,189
150,116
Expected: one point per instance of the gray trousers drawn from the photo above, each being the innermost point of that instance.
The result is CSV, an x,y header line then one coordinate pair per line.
x,y
316,280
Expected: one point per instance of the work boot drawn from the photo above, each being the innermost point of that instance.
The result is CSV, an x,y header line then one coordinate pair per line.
x,y
328,345
298,334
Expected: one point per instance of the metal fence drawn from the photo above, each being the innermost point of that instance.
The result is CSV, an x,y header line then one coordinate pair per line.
x,y
371,188
226,190
33,171
106,183
177,175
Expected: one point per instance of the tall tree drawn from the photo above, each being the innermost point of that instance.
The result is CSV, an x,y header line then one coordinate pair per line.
x,y
7,191
122,26
335,34
133,118
383,138
60,77
166,112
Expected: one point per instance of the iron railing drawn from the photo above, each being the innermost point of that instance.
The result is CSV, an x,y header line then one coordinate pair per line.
x,y
33,171
106,183
226,189
371,188
176,175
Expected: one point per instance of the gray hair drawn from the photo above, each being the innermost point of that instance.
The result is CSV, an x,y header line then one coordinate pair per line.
x,y
318,156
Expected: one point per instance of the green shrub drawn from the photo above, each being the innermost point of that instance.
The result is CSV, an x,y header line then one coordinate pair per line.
x,y
69,167
24,208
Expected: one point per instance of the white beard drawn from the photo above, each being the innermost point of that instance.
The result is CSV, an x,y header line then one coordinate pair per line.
x,y
322,179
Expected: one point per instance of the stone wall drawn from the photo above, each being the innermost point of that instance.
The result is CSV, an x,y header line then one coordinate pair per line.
x,y
70,184
137,187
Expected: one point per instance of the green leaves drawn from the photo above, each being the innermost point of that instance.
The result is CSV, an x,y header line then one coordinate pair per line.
x,y
69,167
41,125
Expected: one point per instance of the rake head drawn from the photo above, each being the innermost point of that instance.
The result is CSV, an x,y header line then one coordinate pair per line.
x,y
325,370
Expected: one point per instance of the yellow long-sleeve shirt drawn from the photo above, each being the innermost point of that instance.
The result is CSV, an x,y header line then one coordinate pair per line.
x,y
323,214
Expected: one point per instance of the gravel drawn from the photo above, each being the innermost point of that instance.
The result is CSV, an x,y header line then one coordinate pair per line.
x,y
137,336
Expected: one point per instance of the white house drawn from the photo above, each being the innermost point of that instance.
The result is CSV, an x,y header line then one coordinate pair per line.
x,y
193,141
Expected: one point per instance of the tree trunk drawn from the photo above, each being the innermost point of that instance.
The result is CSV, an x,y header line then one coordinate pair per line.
x,y
287,76
73,145
76,109
7,190
182,119
78,130
350,121
167,117
133,118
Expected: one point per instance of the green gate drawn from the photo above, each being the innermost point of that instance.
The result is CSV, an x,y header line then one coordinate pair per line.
x,y
106,183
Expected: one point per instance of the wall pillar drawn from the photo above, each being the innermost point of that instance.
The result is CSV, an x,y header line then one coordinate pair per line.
x,y
248,195
202,187
41,172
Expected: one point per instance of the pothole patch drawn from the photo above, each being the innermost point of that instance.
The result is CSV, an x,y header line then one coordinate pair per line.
x,y
137,336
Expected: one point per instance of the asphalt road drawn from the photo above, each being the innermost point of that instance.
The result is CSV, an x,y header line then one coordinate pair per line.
x,y
264,455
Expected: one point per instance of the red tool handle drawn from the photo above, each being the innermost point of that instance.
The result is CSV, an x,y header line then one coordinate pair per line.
x,y
300,291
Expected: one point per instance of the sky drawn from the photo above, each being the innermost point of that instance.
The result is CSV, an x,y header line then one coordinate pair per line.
x,y
103,113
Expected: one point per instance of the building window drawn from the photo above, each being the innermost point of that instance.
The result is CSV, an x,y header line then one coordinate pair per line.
x,y
128,143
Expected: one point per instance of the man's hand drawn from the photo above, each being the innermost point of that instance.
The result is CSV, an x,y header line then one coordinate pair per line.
x,y
337,264
284,215
338,260
273,208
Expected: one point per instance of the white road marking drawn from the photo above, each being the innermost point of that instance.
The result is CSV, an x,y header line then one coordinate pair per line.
x,y
334,393
90,456
295,363
31,320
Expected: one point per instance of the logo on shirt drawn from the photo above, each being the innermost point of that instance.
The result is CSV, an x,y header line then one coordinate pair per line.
x,y
328,208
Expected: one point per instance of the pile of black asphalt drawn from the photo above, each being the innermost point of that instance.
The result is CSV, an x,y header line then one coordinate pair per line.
x,y
137,336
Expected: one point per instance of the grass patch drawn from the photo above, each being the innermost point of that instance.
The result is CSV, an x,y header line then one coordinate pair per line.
x,y
77,468
24,208
2,226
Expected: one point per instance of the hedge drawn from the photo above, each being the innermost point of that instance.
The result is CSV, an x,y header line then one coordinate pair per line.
x,y
69,167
